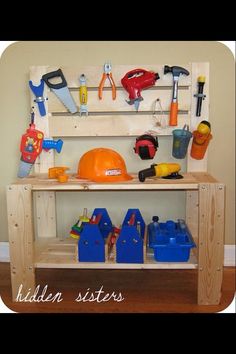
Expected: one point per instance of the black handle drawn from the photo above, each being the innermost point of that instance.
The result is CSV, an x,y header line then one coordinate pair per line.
x,y
51,75
149,172
199,100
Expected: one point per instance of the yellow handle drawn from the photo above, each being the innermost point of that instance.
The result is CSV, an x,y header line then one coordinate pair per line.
x,y
83,95
165,169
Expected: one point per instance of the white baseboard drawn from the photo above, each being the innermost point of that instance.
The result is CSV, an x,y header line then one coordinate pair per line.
x,y
229,254
4,252
229,260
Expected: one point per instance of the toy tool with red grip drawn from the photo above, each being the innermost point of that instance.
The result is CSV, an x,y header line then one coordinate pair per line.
x,y
30,147
176,71
135,81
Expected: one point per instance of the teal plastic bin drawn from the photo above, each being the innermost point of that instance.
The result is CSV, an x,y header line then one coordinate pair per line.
x,y
181,138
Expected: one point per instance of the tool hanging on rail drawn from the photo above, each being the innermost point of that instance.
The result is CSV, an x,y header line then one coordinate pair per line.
x,y
39,99
60,89
135,81
83,95
200,96
107,74
176,72
32,144
146,146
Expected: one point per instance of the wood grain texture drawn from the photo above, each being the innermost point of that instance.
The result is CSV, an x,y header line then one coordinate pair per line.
x,y
19,209
45,207
46,159
62,253
192,210
41,182
120,104
211,243
110,125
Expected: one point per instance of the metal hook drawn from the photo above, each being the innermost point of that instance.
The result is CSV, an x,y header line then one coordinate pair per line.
x,y
161,121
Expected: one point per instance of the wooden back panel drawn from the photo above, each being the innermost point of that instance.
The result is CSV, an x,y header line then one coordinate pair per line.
x,y
109,117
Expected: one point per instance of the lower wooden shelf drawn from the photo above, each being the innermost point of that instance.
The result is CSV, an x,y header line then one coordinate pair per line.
x,y
62,253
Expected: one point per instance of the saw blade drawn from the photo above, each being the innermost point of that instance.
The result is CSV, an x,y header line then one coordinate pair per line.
x,y
65,97
24,169
136,105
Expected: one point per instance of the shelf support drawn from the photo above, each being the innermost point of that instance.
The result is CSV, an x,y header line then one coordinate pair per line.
x,y
20,228
211,243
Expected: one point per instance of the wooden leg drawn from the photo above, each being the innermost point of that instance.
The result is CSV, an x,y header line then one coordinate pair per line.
x,y
19,206
192,210
211,243
45,206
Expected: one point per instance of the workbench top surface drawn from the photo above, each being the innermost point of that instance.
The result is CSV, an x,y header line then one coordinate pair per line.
x,y
190,180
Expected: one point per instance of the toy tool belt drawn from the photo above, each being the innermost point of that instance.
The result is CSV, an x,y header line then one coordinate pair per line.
x,y
146,146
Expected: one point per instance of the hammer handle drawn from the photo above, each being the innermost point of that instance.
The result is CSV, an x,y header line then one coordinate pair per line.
x,y
173,113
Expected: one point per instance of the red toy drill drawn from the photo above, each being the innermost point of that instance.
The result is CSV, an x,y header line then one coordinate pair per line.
x,y
136,80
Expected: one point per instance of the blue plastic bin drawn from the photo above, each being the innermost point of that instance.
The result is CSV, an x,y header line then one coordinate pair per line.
x,y
171,241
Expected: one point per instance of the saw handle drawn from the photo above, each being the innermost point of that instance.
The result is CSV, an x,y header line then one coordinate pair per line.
x,y
173,113
53,74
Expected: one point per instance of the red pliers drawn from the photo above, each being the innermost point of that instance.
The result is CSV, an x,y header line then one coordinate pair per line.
x,y
107,74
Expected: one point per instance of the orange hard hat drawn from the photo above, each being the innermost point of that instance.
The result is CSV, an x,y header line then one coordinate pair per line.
x,y
102,165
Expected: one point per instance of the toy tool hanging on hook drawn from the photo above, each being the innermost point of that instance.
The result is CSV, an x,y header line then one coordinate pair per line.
x,y
32,144
60,89
39,99
176,71
83,95
137,80
200,96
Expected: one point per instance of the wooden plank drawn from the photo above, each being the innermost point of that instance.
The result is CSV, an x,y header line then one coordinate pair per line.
x,y
192,210
120,104
41,182
198,69
68,262
20,228
46,159
111,125
204,177
45,207
211,243
94,74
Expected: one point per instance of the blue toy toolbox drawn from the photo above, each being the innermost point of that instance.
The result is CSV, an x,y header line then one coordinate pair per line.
x,y
171,241
131,243
92,244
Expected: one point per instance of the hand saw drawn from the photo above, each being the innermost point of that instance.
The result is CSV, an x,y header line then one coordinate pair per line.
x,y
60,89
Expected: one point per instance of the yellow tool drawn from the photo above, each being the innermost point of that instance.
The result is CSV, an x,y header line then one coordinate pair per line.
x,y
77,228
164,170
58,173
83,95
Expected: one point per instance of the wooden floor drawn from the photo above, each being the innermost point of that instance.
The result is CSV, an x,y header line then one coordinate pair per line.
x,y
144,291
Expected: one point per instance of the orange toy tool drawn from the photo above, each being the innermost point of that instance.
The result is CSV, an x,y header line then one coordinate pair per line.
x,y
176,71
58,173
201,139
107,75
